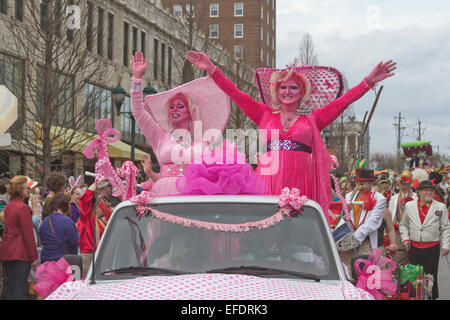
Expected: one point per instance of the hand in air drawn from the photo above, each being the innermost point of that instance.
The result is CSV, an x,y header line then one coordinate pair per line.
x,y
139,65
382,71
201,61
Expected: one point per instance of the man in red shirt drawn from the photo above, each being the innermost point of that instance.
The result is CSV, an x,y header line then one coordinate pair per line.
x,y
424,229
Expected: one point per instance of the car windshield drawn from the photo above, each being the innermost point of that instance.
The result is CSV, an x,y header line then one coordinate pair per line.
x,y
152,246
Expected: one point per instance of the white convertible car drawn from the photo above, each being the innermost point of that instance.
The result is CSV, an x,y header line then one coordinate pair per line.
x,y
215,248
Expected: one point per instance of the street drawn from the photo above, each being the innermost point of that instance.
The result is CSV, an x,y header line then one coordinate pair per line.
x,y
444,279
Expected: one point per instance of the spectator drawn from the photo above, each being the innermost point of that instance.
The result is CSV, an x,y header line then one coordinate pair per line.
x,y
4,199
34,202
18,249
75,196
58,233
56,183
425,223
92,206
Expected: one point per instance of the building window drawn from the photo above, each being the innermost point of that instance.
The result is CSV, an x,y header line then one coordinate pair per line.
x,y
214,31
169,67
101,25
155,58
163,62
273,43
70,30
89,25
4,6
214,10
268,39
143,42
19,10
268,59
110,36
135,40
262,33
262,55
126,125
273,4
268,18
238,52
190,12
238,9
177,10
273,23
64,102
98,104
44,9
239,30
262,12
126,31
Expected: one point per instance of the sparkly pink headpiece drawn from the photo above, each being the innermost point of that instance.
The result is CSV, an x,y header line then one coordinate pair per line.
x,y
326,84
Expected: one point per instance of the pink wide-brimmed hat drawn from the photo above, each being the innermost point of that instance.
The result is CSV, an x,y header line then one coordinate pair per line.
x,y
213,105
326,85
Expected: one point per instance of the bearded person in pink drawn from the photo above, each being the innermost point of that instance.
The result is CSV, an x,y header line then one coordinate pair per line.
x,y
297,156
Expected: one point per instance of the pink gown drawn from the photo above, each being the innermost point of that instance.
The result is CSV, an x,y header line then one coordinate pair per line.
x,y
308,172
164,145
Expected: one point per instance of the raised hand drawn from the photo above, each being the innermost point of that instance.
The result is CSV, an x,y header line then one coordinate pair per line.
x,y
139,65
201,61
382,71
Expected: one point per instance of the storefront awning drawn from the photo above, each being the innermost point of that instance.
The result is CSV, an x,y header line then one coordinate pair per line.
x,y
70,140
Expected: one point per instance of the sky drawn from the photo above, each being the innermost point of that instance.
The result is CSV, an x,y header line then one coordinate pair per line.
x,y
354,35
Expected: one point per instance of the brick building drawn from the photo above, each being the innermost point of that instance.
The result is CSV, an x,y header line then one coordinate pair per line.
x,y
245,27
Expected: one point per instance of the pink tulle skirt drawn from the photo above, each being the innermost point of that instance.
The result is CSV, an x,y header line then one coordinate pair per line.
x,y
221,173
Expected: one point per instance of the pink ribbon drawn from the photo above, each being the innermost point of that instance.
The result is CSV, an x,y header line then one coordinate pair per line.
x,y
147,185
291,199
376,275
128,171
141,200
337,187
106,134
103,167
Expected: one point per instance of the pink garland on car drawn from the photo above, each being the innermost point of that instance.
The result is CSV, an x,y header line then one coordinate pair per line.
x,y
128,171
288,200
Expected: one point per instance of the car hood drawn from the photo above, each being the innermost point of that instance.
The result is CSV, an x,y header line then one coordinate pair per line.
x,y
208,287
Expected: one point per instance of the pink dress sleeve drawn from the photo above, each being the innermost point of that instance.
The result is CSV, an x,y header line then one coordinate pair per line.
x,y
326,115
253,109
145,121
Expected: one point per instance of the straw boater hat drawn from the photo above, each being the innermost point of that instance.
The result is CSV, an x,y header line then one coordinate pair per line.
x,y
213,105
326,85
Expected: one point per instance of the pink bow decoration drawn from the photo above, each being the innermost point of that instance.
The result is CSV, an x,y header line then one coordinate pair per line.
x,y
128,171
141,200
106,134
50,275
292,199
337,187
103,167
376,275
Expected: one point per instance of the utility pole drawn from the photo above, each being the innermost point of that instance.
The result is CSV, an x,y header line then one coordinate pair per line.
x,y
399,130
398,124
420,130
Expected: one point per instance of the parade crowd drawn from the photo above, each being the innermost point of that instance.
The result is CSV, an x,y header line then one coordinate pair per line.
x,y
392,211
